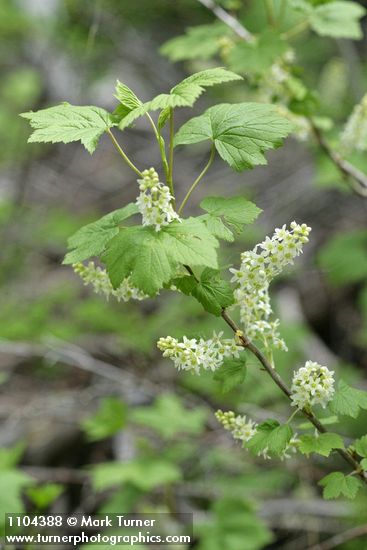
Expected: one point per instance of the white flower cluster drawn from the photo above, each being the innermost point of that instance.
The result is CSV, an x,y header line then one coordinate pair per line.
x,y
155,201
302,128
239,426
98,278
244,430
311,385
196,354
354,135
258,267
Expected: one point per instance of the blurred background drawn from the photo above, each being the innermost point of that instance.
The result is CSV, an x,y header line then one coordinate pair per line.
x,y
93,419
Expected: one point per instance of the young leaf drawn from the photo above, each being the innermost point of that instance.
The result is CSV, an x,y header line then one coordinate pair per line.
x,y
234,212
240,132
127,98
211,291
232,373
152,258
270,437
348,401
360,446
336,484
183,94
200,42
109,419
145,474
66,123
181,420
322,444
91,239
44,495
257,56
338,19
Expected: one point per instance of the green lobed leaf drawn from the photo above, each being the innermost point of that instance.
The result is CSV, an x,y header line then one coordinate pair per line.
x,y
241,132
338,19
108,419
127,98
259,55
321,444
232,373
228,215
211,291
181,419
360,446
183,94
348,401
66,123
336,484
343,258
270,436
90,240
145,474
44,495
152,258
200,42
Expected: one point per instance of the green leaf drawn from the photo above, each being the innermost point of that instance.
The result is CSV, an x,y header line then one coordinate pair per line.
x,y
336,484
66,123
127,98
44,495
184,94
152,258
90,240
344,258
338,19
145,474
234,212
348,401
169,406
240,132
211,291
270,436
364,464
360,446
232,373
257,56
10,456
108,420
322,444
200,42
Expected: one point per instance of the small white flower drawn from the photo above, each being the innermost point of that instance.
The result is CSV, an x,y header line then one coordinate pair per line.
x,y
312,384
98,278
198,354
239,426
155,201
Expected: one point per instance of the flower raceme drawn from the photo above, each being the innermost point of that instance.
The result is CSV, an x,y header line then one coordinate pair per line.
x,y
193,354
258,268
312,384
98,278
155,201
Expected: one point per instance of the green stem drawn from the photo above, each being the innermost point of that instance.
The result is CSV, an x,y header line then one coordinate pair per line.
x,y
269,6
296,411
297,29
121,152
170,160
282,10
198,179
161,145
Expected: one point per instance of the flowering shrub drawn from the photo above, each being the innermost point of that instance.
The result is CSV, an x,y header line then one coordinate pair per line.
x,y
164,251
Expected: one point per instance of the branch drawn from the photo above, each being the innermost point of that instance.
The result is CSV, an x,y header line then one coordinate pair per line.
x,y
247,344
341,538
345,167
228,19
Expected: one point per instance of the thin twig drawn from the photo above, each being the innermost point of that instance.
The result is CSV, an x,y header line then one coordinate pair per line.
x,y
227,19
122,153
345,167
341,538
247,344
